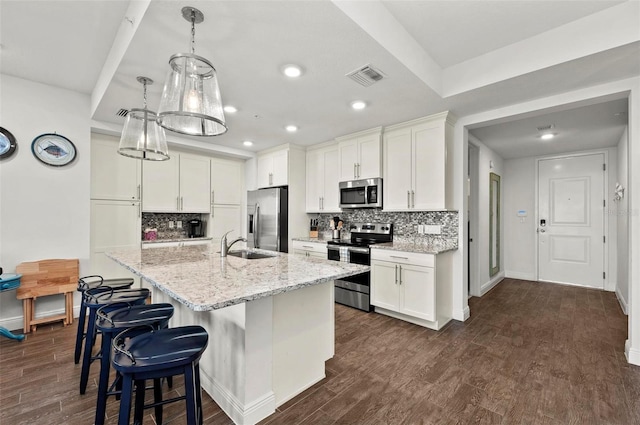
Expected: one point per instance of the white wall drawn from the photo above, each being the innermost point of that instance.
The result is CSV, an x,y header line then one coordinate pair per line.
x,y
520,245
621,209
44,211
488,162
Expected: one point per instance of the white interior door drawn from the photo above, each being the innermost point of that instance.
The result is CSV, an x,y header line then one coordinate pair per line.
x,y
571,220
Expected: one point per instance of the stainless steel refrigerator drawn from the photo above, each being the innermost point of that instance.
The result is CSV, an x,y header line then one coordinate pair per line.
x,y
267,218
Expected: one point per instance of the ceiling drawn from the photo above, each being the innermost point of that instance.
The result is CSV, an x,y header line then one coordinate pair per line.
x,y
462,56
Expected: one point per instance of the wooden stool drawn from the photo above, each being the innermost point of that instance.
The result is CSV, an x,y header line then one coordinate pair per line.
x,y
44,278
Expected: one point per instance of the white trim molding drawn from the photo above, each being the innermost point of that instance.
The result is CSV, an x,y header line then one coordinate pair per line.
x,y
486,287
632,354
623,302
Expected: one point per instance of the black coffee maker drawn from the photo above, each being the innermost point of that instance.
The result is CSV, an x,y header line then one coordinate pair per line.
x,y
195,228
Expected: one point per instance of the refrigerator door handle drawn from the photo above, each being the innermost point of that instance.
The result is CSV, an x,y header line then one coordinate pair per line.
x,y
256,236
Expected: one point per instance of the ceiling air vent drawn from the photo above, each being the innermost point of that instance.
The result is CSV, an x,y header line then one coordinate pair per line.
x,y
545,127
366,75
122,112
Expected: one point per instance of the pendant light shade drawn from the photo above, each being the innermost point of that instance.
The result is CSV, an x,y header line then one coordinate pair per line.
x,y
191,103
142,137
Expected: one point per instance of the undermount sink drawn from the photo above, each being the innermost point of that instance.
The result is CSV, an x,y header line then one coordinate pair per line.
x,y
249,255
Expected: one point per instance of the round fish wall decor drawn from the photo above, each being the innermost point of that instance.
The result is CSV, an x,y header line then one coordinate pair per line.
x,y
53,149
7,143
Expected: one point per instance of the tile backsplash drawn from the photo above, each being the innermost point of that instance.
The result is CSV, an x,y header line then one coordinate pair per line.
x,y
161,221
404,223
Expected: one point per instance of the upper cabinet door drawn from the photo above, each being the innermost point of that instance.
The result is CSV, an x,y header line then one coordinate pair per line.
x,y
369,156
429,167
280,172
331,193
314,178
397,182
160,185
348,159
273,169
113,176
227,181
195,180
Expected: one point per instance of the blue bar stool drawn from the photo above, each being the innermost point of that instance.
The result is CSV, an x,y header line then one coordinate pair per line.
x,y
113,319
155,355
92,282
94,299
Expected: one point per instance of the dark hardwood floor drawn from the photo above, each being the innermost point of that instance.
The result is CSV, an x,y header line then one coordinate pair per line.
x,y
531,353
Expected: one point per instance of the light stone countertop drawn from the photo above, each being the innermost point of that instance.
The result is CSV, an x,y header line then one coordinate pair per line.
x,y
419,246
199,278
205,239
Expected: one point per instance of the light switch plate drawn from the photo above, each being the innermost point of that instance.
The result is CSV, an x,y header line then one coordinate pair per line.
x,y
432,229
179,224
421,229
171,225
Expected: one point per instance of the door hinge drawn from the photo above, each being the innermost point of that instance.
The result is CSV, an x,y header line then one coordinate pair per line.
x,y
604,167
604,276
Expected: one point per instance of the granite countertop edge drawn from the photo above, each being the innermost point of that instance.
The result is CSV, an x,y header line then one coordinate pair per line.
x,y
417,247
177,240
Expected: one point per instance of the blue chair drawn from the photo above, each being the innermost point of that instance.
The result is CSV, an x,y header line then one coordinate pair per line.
x,y
155,355
92,282
94,299
113,319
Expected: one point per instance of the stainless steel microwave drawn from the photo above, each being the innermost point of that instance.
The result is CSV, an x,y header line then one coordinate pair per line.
x,y
366,193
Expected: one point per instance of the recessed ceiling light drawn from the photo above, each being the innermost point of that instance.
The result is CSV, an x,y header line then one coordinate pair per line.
x,y
292,71
247,143
547,136
291,128
230,109
358,104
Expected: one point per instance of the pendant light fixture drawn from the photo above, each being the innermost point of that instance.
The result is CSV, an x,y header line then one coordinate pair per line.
x,y
191,102
142,137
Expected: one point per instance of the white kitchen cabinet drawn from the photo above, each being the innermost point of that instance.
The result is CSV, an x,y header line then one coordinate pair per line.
x,y
227,181
310,249
113,176
417,170
180,184
223,219
322,194
360,155
273,169
115,225
412,286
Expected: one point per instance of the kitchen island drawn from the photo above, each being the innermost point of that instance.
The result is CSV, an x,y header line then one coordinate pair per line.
x,y
270,320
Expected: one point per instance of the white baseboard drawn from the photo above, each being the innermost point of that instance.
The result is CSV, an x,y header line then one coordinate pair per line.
x,y
240,414
632,354
17,322
493,282
461,315
519,275
623,302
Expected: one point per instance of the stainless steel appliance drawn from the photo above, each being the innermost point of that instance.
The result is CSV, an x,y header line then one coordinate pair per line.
x,y
366,193
267,218
354,291
195,228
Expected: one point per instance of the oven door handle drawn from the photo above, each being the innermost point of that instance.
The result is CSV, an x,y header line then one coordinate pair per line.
x,y
359,250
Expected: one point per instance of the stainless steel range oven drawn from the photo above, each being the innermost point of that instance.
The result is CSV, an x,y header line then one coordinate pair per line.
x,y
354,291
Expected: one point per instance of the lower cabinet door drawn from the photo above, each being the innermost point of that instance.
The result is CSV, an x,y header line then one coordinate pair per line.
x,y
384,288
417,294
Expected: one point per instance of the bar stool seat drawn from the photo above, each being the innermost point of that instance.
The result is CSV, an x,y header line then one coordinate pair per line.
x,y
92,282
94,299
113,319
160,354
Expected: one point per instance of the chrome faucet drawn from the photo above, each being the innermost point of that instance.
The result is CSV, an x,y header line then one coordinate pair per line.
x,y
224,248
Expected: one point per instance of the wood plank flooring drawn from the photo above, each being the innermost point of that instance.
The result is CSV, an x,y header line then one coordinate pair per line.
x,y
532,353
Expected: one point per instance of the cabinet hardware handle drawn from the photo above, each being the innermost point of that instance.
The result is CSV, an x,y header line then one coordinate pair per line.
x,y
413,199
307,246
181,203
401,258
355,173
400,275
178,203
138,192
213,192
396,274
358,164
320,202
408,199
